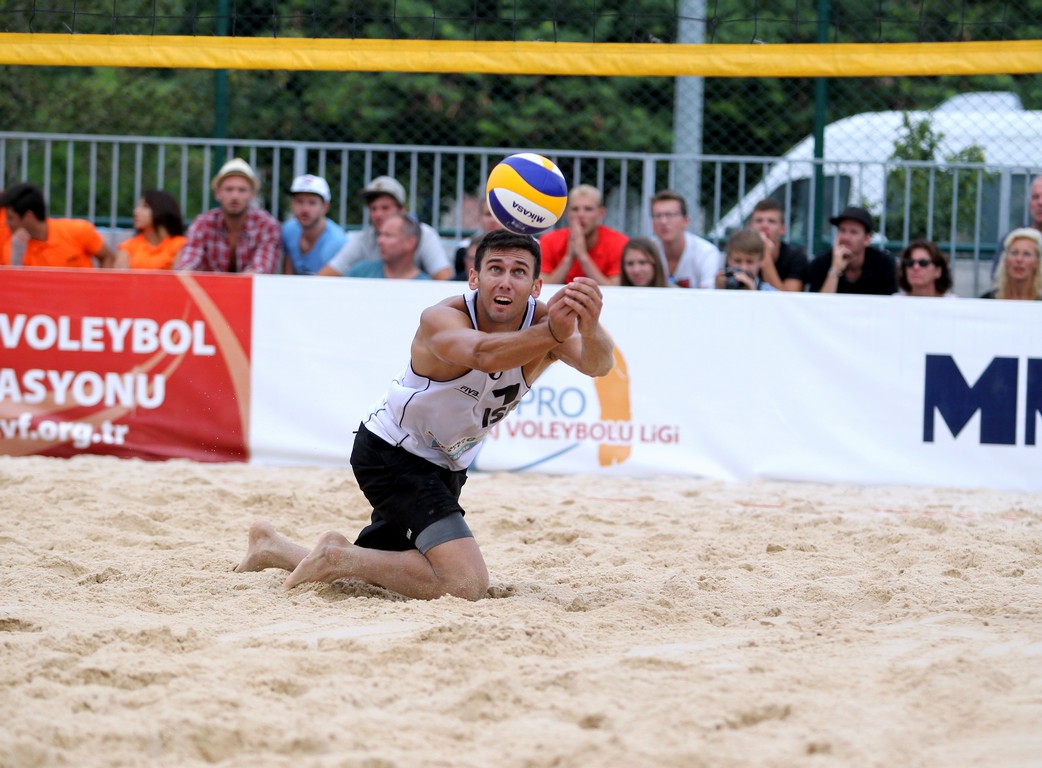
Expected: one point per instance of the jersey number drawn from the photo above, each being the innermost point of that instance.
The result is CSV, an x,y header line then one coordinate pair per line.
x,y
509,395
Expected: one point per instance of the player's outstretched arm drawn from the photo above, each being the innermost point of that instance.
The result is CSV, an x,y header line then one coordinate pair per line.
x,y
446,344
588,348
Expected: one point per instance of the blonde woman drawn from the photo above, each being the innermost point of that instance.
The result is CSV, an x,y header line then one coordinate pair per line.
x,y
1018,275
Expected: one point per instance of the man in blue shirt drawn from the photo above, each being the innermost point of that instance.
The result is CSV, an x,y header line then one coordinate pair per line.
x,y
397,239
310,239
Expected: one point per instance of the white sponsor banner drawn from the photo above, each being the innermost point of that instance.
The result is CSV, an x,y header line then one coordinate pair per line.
x,y
720,384
328,347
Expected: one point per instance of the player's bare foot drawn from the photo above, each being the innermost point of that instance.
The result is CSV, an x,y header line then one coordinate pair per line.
x,y
324,563
268,549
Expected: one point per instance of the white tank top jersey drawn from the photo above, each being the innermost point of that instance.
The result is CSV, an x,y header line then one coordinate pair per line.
x,y
444,421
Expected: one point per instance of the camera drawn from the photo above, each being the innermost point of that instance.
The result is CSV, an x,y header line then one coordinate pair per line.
x,y
732,282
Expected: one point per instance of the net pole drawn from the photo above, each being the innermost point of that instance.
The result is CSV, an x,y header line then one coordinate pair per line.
x,y
688,111
820,109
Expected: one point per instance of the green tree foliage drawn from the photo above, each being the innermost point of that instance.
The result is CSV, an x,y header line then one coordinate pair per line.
x,y
762,116
929,194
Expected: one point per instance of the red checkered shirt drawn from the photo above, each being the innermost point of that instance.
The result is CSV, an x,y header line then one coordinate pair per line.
x,y
258,250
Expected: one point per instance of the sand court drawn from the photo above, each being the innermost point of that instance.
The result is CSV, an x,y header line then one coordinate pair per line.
x,y
662,621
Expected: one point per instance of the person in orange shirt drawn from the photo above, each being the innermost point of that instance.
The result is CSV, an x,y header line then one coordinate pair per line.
x,y
5,239
160,233
53,242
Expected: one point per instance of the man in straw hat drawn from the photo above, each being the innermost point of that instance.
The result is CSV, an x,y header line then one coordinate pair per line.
x,y
236,236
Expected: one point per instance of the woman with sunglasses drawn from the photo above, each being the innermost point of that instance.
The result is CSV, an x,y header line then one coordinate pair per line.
x,y
1017,275
923,270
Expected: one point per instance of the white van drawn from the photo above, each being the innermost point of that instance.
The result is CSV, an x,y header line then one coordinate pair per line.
x,y
857,161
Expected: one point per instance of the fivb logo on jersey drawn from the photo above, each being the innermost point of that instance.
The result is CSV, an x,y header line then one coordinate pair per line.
x,y
567,412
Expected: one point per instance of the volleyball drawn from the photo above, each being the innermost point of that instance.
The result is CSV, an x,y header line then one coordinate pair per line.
x,y
526,193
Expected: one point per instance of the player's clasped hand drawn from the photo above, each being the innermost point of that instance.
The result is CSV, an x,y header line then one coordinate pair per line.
x,y
582,296
561,315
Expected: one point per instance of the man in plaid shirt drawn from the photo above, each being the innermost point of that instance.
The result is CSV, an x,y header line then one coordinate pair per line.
x,y
237,236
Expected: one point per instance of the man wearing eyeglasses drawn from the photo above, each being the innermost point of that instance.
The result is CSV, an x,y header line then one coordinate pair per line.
x,y
585,248
690,261
852,265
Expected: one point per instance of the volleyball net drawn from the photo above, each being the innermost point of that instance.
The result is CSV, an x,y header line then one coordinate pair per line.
x,y
797,38
679,78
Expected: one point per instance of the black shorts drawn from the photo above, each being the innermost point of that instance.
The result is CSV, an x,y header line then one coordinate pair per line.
x,y
415,503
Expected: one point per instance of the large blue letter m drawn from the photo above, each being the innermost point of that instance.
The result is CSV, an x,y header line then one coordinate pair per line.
x,y
994,395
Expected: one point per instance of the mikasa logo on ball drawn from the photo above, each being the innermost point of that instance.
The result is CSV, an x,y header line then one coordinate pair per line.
x,y
534,216
526,193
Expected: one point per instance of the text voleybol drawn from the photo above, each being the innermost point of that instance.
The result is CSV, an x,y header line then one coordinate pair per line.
x,y
137,336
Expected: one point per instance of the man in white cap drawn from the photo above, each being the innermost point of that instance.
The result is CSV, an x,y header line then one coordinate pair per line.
x,y
384,196
237,236
310,238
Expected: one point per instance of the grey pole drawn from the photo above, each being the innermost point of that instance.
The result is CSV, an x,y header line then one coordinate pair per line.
x,y
688,102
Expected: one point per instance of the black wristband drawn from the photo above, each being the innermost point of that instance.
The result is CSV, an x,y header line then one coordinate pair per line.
x,y
550,328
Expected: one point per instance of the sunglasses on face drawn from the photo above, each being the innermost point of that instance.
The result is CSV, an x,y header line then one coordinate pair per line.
x,y
916,263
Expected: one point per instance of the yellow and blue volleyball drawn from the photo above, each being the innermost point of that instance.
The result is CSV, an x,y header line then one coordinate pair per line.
x,y
526,193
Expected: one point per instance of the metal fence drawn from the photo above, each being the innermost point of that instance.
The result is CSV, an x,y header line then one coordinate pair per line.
x,y
964,206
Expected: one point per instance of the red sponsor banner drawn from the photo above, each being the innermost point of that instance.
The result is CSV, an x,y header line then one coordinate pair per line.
x,y
134,364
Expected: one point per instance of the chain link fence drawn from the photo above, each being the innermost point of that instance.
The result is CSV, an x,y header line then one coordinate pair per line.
x,y
761,117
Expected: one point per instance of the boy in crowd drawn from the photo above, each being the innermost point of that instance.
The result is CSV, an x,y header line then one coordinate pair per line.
x,y
745,251
784,265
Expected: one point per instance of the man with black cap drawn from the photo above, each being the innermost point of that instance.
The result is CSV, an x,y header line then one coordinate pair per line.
x,y
236,236
385,196
852,265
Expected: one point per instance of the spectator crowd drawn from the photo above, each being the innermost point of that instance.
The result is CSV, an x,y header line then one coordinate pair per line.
x,y
239,236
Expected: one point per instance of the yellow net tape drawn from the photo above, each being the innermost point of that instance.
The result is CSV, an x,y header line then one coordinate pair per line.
x,y
524,58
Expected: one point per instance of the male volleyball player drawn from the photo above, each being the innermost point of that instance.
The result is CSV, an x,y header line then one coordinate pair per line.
x,y
472,360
